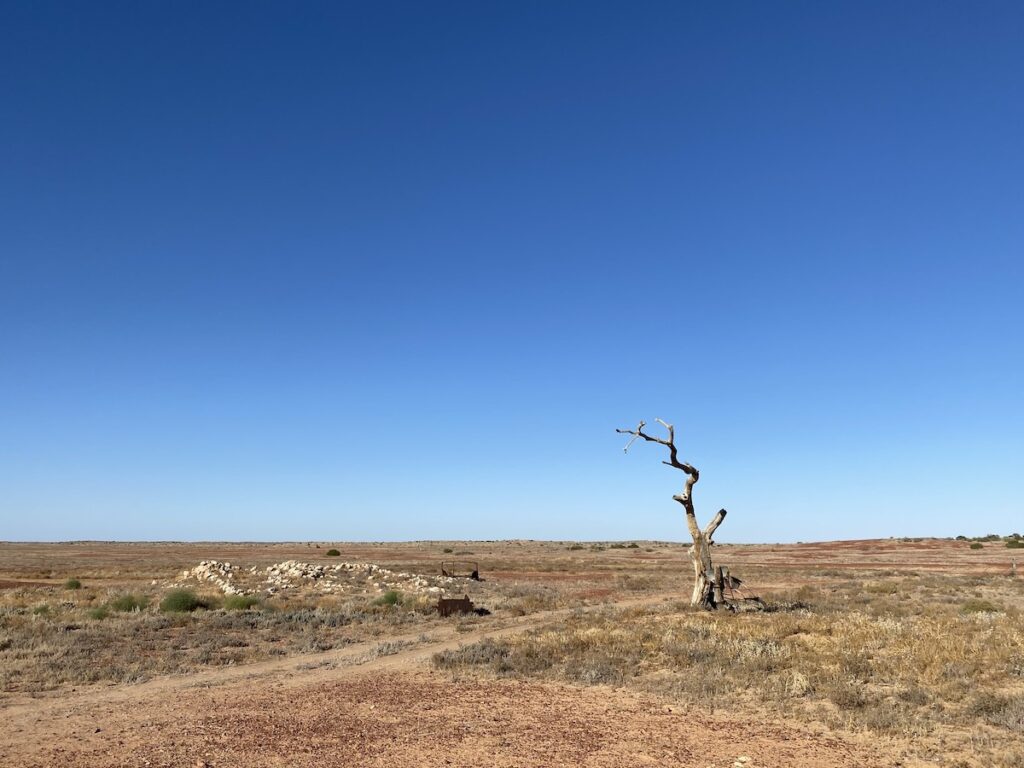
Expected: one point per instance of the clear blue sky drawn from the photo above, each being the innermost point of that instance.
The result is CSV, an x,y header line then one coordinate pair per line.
x,y
397,271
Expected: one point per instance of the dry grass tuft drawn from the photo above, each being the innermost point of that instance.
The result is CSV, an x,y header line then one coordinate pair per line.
x,y
901,672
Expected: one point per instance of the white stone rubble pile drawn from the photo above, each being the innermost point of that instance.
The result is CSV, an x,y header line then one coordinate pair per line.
x,y
336,578
221,574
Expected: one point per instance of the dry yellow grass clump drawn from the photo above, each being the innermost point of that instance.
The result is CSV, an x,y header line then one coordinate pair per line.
x,y
905,676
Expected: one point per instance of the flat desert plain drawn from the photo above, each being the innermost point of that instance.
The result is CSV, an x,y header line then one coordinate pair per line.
x,y
869,653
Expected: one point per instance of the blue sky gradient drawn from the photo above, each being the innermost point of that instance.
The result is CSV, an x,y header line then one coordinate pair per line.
x,y
397,271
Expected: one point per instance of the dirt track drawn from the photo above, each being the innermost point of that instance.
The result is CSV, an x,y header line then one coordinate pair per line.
x,y
353,707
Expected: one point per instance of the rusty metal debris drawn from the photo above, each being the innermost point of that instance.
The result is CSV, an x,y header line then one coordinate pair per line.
x,y
729,592
446,606
461,569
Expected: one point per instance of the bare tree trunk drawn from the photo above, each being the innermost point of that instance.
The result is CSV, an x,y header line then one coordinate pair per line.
x,y
707,585
719,586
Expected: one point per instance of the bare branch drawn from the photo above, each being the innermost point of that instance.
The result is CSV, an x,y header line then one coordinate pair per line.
x,y
712,526
635,433
673,454
631,441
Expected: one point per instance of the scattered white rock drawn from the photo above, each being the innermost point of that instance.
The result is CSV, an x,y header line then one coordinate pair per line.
x,y
336,578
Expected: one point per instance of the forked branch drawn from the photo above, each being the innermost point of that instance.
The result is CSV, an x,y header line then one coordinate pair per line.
x,y
684,498
673,454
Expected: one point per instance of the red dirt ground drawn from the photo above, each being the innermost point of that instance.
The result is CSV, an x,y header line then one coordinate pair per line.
x,y
401,715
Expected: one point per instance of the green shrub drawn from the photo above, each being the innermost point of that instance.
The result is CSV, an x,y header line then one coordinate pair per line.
x,y
99,613
241,602
846,695
72,584
882,588
977,545
181,601
632,545
447,550
333,553
616,546
41,610
391,597
575,547
1015,544
979,606
129,603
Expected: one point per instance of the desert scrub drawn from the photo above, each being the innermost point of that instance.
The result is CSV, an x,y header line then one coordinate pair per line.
x,y
523,599
390,598
83,645
241,602
129,603
72,584
630,582
979,606
880,673
1004,711
332,553
882,588
181,601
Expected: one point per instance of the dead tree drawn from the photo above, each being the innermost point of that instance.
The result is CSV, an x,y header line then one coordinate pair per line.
x,y
709,583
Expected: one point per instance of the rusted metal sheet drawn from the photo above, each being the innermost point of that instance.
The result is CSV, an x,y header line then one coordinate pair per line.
x,y
446,606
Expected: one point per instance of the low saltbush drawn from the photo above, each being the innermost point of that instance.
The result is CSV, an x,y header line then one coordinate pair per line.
x,y
979,606
181,601
129,603
241,602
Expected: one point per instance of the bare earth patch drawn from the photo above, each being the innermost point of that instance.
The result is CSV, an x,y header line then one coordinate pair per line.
x,y
414,718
